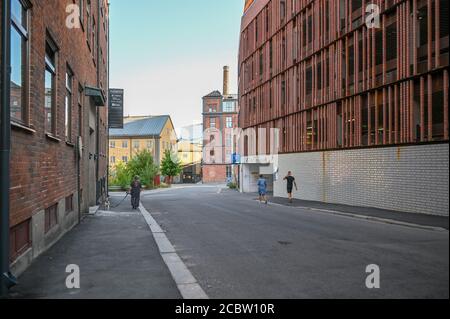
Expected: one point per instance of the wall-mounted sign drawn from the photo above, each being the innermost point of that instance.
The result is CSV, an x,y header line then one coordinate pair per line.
x,y
115,111
236,158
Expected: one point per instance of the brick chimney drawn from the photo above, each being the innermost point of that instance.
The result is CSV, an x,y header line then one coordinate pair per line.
x,y
226,80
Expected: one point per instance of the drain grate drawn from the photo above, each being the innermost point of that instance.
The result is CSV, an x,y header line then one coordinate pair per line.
x,y
285,243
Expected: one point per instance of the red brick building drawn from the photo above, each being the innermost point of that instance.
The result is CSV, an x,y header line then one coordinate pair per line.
x,y
361,110
59,85
220,118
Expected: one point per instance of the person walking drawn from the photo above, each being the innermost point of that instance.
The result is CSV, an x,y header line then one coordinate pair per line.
x,y
262,189
290,185
135,191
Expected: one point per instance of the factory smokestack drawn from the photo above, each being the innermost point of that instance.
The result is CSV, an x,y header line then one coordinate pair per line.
x,y
226,80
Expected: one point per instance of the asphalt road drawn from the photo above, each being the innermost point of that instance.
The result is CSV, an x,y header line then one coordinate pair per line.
x,y
239,248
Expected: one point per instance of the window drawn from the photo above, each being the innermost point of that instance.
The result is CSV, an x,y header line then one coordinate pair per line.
x,y
94,37
310,31
112,144
19,61
308,81
391,42
113,160
88,22
282,9
68,105
51,217
124,144
283,92
150,145
261,63
212,123
69,204
356,4
50,76
136,144
229,122
271,54
20,239
212,138
125,159
228,106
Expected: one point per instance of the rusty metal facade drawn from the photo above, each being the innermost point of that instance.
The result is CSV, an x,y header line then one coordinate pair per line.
x,y
313,69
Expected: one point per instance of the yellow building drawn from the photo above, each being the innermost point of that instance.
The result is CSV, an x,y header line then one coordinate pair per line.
x,y
153,133
189,152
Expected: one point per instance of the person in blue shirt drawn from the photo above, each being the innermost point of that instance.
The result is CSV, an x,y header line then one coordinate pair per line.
x,y
262,189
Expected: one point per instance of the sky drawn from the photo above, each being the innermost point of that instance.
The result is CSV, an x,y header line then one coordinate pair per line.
x,y
168,54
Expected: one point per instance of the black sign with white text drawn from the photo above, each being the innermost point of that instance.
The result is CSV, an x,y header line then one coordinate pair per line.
x,y
115,113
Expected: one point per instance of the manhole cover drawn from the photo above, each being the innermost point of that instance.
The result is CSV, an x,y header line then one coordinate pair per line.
x,y
285,243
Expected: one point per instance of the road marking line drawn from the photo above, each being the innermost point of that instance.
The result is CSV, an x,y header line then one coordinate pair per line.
x,y
185,281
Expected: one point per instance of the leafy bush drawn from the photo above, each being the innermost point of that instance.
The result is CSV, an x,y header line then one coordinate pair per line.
x,y
143,165
120,176
232,185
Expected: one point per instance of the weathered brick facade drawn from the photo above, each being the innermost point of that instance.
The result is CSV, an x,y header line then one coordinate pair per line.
x,y
220,118
44,166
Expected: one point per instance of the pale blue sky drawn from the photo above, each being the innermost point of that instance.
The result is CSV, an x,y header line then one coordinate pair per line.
x,y
167,54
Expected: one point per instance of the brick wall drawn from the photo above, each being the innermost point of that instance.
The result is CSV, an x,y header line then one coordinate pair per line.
x,y
43,169
410,178
214,173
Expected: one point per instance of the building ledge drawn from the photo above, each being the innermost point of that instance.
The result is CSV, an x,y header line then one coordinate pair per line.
x,y
52,137
22,127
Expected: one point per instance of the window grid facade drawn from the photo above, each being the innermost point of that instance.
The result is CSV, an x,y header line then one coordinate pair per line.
x,y
329,82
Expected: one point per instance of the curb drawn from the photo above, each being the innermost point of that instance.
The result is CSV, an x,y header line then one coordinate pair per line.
x,y
365,217
185,281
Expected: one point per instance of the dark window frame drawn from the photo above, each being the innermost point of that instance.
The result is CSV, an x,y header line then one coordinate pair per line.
x,y
68,104
51,67
23,30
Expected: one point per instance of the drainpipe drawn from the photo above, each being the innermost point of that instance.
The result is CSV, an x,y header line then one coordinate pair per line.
x,y
7,280
97,164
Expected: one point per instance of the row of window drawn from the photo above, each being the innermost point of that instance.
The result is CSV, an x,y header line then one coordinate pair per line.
x,y
20,50
227,107
388,41
112,159
408,112
136,144
228,122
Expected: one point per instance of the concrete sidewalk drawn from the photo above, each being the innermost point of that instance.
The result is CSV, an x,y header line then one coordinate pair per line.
x,y
382,214
117,256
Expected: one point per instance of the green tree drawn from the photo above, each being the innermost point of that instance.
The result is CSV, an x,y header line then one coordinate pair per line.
x,y
170,165
143,165
121,176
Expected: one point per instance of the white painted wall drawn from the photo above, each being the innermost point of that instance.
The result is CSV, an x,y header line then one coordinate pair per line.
x,y
409,178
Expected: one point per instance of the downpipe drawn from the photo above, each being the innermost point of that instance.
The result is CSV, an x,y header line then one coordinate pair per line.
x,y
7,280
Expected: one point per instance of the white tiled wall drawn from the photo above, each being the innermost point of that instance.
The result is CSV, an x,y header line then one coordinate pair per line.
x,y
410,178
